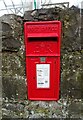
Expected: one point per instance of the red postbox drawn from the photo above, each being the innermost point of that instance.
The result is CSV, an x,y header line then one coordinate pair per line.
x,y
42,41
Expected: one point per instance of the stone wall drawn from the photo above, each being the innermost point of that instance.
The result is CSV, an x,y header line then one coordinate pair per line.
x,y
15,103
13,62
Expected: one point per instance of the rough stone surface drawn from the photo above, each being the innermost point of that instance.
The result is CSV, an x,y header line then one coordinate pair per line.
x,y
71,75
66,108
11,32
15,103
14,87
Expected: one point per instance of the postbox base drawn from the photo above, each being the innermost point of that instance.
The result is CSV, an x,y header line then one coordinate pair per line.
x,y
44,99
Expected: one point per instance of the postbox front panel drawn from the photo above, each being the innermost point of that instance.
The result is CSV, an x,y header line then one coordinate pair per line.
x,y
43,78
42,40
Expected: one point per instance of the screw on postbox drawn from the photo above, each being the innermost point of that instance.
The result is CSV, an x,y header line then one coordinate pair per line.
x,y
42,41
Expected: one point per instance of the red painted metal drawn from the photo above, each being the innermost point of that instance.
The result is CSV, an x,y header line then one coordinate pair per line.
x,y
42,41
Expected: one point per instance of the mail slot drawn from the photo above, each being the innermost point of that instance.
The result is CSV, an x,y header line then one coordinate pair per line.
x,y
42,41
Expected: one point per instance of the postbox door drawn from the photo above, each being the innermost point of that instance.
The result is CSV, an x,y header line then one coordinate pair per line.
x,y
43,78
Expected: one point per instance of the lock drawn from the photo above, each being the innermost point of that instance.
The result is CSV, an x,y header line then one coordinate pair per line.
x,y
42,59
